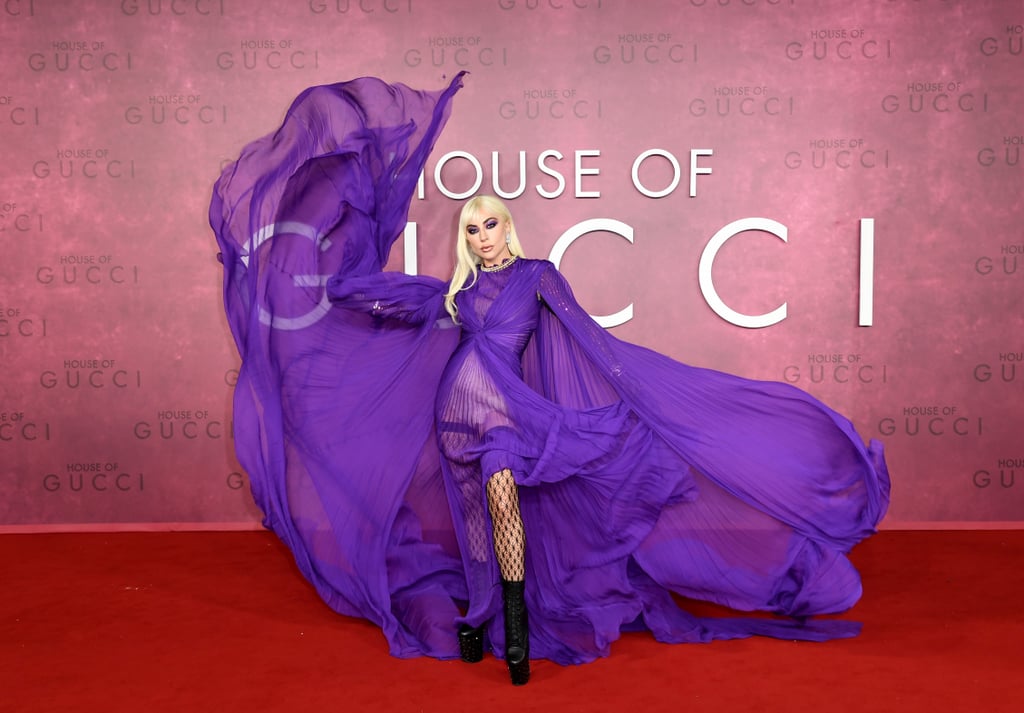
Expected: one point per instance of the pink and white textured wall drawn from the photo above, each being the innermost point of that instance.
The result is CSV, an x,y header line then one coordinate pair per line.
x,y
816,191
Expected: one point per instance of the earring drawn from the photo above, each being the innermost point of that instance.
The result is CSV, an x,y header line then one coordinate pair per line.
x,y
508,238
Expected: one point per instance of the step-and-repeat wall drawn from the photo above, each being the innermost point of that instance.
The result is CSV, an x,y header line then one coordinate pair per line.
x,y
822,192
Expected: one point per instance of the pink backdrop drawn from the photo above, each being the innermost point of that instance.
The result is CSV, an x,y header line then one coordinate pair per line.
x,y
858,163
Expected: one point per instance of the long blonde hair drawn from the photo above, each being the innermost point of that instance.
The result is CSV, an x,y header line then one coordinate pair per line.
x,y
466,263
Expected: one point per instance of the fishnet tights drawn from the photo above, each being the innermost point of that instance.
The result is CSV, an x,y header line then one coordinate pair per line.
x,y
507,524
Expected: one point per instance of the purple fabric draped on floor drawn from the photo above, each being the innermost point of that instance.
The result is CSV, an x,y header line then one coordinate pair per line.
x,y
368,422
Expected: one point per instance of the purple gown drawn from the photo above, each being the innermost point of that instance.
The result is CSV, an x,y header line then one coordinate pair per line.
x,y
368,422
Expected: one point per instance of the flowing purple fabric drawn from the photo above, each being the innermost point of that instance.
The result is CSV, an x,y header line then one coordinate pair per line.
x,y
369,422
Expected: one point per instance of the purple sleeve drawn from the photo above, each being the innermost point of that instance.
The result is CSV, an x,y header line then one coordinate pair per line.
x,y
307,213
415,299
764,442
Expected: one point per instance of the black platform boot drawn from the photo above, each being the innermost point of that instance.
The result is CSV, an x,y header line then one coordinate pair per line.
x,y
471,643
517,638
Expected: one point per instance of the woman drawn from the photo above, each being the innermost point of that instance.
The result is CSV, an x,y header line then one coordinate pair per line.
x,y
457,455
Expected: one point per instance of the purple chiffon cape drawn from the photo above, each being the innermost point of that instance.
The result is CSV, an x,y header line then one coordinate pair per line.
x,y
368,422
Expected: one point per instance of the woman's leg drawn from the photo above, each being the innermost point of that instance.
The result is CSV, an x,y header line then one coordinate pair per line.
x,y
510,551
507,525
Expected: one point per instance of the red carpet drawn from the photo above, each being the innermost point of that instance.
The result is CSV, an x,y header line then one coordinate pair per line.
x,y
222,622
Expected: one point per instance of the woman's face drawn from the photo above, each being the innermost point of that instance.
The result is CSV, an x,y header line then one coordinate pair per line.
x,y
485,234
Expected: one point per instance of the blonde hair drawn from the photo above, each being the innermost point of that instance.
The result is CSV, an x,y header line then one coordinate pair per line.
x,y
466,263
